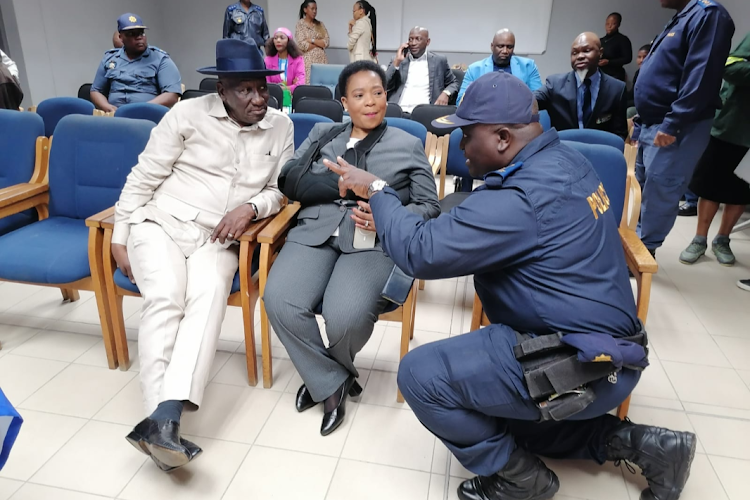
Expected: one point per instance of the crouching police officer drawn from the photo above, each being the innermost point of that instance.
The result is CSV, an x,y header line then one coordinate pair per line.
x,y
565,346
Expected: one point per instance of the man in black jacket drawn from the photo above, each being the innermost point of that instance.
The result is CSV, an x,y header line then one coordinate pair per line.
x,y
618,51
416,76
585,97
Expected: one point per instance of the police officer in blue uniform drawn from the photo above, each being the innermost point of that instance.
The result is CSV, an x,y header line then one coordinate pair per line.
x,y
244,20
676,96
549,269
136,72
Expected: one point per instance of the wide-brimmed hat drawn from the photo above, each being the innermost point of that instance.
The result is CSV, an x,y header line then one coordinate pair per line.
x,y
238,58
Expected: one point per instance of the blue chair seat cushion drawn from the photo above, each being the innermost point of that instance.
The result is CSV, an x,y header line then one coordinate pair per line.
x,y
52,251
125,284
13,222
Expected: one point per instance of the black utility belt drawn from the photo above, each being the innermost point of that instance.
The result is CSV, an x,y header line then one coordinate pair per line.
x,y
556,380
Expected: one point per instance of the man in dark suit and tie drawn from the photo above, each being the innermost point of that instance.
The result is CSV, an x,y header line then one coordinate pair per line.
x,y
585,97
416,76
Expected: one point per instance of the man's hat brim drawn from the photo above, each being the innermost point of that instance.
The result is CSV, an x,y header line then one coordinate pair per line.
x,y
452,121
134,28
211,70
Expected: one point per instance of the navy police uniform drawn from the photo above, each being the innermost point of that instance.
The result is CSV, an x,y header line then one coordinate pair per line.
x,y
677,93
545,260
124,80
244,24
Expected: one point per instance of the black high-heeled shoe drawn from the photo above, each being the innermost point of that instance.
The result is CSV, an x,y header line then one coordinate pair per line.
x,y
334,418
304,400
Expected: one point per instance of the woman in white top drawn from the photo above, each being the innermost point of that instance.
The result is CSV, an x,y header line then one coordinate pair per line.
x,y
363,33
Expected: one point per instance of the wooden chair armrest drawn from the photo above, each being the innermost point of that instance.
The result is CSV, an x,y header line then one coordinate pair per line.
x,y
31,109
255,228
636,252
108,222
279,224
97,219
20,192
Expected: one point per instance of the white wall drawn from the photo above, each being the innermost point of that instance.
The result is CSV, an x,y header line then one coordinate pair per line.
x,y
59,44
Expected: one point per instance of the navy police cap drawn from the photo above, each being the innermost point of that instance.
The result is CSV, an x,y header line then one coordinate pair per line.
x,y
130,22
494,98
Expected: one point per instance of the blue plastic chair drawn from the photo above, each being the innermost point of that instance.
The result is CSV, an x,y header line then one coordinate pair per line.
x,y
544,120
326,75
303,124
414,128
88,165
23,159
142,111
54,109
592,136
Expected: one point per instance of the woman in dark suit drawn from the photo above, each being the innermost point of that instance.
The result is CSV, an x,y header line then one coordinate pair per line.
x,y
618,51
332,260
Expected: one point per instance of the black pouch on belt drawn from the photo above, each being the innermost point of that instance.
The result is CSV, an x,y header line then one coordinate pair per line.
x,y
556,380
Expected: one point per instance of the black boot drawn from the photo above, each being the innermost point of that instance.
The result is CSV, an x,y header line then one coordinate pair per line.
x,y
161,441
524,477
664,456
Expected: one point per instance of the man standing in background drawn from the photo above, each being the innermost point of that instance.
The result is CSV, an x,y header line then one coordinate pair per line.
x,y
618,51
244,20
676,96
11,94
504,59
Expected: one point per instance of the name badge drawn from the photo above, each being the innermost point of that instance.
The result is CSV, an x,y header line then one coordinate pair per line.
x,y
603,119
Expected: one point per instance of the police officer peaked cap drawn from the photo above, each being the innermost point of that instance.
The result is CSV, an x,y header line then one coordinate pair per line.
x,y
130,22
238,58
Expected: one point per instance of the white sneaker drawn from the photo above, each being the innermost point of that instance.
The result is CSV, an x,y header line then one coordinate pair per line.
x,y
744,284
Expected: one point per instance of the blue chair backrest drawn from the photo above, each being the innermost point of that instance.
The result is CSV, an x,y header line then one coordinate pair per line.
x,y
90,158
456,163
18,134
54,109
326,75
612,169
142,111
544,120
591,136
303,124
414,128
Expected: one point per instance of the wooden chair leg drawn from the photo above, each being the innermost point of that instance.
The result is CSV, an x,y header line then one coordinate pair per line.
x,y
408,311
477,312
265,327
249,297
69,294
421,284
622,410
96,241
114,308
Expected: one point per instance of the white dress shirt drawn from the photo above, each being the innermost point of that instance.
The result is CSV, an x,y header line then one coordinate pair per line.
x,y
417,85
198,165
8,62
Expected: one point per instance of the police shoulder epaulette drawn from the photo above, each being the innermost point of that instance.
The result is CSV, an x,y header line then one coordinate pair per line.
x,y
706,3
232,7
494,180
160,51
110,52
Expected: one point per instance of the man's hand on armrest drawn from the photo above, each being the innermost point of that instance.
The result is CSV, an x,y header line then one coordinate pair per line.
x,y
120,254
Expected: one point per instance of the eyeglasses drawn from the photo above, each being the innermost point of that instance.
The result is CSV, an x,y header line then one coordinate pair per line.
x,y
133,33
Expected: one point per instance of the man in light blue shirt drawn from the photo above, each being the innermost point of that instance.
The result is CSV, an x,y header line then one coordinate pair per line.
x,y
504,59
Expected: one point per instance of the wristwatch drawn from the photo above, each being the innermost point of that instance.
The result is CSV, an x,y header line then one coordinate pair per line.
x,y
255,210
377,185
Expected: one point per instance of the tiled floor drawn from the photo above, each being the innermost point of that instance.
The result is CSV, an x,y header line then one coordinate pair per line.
x,y
77,412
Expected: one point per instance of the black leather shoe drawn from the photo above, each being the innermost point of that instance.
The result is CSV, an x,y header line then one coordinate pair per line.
x,y
304,400
687,211
664,456
161,441
524,477
333,419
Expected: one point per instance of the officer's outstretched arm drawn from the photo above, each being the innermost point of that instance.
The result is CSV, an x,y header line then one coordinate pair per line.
x,y
489,231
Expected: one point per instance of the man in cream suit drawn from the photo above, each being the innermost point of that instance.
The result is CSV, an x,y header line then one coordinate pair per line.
x,y
209,169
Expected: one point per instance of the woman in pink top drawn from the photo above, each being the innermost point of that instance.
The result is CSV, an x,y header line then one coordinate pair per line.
x,y
283,54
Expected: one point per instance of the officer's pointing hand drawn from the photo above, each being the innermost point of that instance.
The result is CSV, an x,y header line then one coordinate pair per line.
x,y
351,178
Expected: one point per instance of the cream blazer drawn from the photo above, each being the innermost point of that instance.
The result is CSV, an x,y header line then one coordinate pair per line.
x,y
360,41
